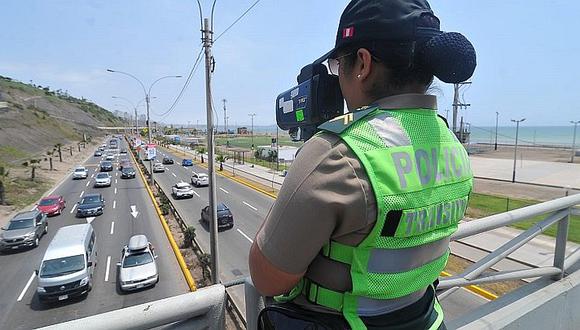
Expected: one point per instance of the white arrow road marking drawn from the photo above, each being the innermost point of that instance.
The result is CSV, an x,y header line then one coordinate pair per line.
x,y
134,212
107,269
73,209
112,227
90,219
173,174
246,236
250,206
196,193
88,183
114,204
222,189
82,193
115,190
26,287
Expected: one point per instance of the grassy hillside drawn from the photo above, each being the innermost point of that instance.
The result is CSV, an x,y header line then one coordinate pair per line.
x,y
37,118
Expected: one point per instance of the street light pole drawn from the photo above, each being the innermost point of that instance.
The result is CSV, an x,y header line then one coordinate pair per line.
x,y
496,123
252,115
516,147
574,139
225,121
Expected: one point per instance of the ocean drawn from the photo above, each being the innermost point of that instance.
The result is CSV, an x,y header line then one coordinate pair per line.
x,y
556,136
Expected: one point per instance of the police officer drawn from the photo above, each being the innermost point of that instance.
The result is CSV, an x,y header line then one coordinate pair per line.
x,y
360,230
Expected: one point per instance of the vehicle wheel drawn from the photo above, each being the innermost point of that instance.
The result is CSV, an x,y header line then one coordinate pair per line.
x,y
45,230
36,241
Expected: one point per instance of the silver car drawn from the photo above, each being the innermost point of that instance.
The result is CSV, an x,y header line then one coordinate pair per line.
x,y
199,179
24,230
158,167
182,190
102,179
80,172
138,268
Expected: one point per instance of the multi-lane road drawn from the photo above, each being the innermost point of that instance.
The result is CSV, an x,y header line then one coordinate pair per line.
x,y
19,305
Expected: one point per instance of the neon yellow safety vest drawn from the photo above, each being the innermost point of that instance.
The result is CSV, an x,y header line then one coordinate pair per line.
x,y
421,178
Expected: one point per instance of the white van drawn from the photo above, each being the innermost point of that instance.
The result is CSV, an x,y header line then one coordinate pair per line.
x,y
68,264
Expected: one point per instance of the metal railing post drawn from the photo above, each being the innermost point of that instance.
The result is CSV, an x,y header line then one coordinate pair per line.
x,y
560,249
254,304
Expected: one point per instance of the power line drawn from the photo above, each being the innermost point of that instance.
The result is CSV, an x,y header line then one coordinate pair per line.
x,y
237,20
185,85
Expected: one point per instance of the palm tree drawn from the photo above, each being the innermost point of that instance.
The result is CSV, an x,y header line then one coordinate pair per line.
x,y
33,164
3,176
221,158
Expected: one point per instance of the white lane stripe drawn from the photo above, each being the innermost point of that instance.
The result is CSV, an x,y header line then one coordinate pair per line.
x,y
222,189
88,183
246,236
115,181
115,190
117,174
114,204
250,206
92,175
82,193
173,174
107,269
73,209
196,193
112,227
26,287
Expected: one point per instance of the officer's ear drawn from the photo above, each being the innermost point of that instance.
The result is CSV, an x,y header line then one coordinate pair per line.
x,y
363,65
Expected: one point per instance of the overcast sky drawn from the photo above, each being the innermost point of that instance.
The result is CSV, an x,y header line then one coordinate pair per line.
x,y
527,53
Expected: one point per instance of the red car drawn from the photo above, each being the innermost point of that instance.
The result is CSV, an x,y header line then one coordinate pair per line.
x,y
51,205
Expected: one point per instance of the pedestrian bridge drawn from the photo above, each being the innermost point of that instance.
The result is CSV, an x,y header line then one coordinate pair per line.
x,y
549,302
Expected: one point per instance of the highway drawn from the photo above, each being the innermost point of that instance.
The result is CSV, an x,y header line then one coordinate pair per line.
x,y
249,208
19,305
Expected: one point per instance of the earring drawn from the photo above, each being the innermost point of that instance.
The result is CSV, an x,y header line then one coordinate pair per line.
x,y
358,76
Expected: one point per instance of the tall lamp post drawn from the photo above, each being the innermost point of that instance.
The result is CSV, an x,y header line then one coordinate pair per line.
x,y
575,123
252,115
516,146
147,101
496,127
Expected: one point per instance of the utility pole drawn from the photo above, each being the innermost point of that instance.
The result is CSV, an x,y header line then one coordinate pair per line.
x,y
496,123
252,115
457,103
575,123
207,43
226,121
516,147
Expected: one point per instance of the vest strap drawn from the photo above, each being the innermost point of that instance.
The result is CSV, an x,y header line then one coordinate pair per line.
x,y
322,296
338,252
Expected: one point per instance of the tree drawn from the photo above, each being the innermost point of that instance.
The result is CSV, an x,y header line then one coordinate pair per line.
x,y
221,158
58,145
33,164
50,153
201,150
205,260
188,236
3,178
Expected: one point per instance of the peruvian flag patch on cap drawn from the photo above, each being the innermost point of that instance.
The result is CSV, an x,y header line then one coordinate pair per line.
x,y
348,32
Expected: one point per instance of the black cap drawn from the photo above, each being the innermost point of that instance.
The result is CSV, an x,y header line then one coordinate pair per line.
x,y
384,20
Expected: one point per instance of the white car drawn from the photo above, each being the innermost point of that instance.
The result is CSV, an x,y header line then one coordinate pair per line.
x,y
158,167
80,172
102,179
138,268
199,179
182,190
110,156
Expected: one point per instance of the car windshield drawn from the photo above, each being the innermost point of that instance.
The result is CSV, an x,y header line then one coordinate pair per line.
x,y
222,207
79,169
20,224
47,202
102,176
137,259
106,164
62,266
127,169
90,200
183,186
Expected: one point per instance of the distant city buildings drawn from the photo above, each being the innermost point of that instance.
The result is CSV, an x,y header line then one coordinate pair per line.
x,y
243,131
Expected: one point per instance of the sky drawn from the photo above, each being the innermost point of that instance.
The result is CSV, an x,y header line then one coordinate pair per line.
x,y
527,57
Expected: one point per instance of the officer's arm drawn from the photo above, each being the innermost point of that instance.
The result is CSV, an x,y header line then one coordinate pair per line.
x,y
269,279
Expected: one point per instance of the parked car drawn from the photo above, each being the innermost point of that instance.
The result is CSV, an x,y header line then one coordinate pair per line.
x,y
24,230
102,180
68,265
224,216
98,153
106,166
80,172
182,190
158,167
187,162
51,205
199,179
91,205
138,268
127,173
167,160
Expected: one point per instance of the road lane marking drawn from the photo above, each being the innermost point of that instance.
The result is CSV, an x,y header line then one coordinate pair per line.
x,y
92,175
96,169
117,174
107,269
115,190
88,183
26,287
196,194
250,206
173,174
112,227
115,181
246,236
114,204
82,193
222,189
73,209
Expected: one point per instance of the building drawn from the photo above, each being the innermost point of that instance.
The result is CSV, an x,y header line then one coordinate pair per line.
x,y
243,131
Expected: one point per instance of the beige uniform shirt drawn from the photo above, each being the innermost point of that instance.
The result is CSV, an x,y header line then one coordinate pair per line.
x,y
326,195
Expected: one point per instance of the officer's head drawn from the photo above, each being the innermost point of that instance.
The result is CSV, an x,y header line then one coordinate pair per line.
x,y
390,47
